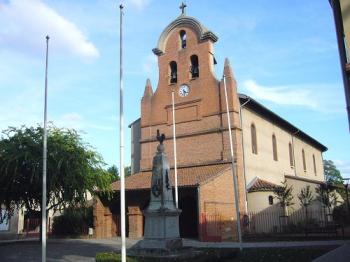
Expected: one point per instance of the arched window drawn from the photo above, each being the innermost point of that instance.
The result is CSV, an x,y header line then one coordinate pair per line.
x,y
183,38
314,160
291,160
194,69
274,147
270,200
254,141
173,72
304,162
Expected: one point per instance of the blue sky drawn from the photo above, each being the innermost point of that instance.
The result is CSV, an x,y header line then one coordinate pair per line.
x,y
283,54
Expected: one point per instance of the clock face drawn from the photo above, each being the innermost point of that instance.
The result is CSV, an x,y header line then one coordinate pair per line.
x,y
184,90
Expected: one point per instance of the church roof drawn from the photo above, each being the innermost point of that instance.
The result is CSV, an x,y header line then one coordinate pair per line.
x,y
258,185
183,20
276,119
186,177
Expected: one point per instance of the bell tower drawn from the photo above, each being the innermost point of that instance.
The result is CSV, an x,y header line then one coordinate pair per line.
x,y
185,52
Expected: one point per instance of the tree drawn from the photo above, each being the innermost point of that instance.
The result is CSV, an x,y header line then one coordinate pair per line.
x,y
127,171
327,196
284,196
73,168
305,197
331,172
113,170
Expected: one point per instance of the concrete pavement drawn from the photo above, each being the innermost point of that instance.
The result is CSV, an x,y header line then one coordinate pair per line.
x,y
86,249
340,254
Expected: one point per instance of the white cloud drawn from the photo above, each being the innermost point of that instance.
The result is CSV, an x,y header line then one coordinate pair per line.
x,y
24,25
318,97
139,4
281,95
70,120
343,166
77,121
26,108
150,64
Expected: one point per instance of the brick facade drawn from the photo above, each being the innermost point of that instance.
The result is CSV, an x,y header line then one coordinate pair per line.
x,y
104,223
135,222
201,126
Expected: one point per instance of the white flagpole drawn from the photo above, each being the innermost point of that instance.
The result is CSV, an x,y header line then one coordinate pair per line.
x,y
235,183
175,157
43,204
122,177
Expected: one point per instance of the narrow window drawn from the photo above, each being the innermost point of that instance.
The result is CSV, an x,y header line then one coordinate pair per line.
x,y
274,148
254,141
270,200
304,162
183,38
314,160
194,66
173,72
291,162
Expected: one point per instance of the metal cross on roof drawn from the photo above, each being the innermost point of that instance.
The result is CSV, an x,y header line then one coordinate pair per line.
x,y
182,7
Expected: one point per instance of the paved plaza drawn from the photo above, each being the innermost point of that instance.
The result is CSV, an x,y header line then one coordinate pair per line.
x,y
86,249
57,250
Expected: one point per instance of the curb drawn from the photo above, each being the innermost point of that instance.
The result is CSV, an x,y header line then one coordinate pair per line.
x,y
12,241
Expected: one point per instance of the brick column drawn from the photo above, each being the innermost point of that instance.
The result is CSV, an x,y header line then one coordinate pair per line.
x,y
135,222
104,226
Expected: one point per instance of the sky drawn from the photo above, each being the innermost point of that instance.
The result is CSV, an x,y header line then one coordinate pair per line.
x,y
283,53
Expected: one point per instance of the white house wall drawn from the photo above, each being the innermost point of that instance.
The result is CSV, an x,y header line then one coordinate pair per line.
x,y
263,165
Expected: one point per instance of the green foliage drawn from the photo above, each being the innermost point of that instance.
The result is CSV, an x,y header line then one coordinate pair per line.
x,y
284,194
327,196
291,254
305,196
113,171
73,168
331,172
299,254
73,222
127,171
341,214
112,257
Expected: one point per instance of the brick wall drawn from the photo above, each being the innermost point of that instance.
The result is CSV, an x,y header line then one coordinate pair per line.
x,y
104,224
135,222
217,206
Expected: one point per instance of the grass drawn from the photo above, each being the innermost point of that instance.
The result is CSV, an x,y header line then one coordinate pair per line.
x,y
300,254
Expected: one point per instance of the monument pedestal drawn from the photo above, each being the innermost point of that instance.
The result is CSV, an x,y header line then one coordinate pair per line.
x,y
161,230
161,235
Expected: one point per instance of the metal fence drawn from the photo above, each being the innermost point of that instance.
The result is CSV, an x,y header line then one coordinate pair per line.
x,y
275,221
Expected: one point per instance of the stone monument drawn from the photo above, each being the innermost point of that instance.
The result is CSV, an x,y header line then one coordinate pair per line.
x,y
161,216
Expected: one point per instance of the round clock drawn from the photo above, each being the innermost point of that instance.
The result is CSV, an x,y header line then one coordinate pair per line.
x,y
184,90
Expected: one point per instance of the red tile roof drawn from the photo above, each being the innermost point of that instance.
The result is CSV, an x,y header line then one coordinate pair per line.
x,y
262,185
186,177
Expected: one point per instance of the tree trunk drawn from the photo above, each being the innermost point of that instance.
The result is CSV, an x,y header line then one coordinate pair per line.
x,y
306,215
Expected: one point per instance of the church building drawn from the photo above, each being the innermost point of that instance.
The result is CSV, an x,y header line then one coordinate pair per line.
x,y
267,149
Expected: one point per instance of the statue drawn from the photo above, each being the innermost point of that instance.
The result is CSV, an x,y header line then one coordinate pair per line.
x,y
161,216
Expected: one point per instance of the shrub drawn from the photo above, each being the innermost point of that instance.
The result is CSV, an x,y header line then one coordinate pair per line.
x,y
73,222
341,214
112,257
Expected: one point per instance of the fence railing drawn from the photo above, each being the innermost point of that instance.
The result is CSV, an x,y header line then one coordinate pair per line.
x,y
32,225
277,222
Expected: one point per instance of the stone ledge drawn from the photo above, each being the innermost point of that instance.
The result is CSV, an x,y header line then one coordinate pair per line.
x,y
157,245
